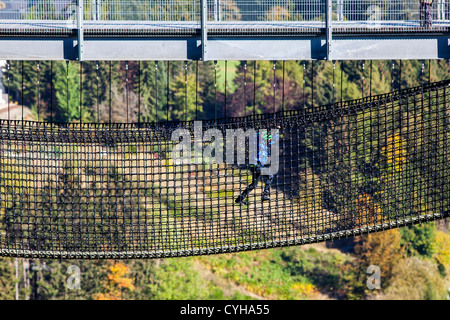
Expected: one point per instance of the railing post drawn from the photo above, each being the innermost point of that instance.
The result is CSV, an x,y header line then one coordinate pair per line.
x,y
442,10
329,29
217,12
438,10
340,10
80,35
95,9
204,29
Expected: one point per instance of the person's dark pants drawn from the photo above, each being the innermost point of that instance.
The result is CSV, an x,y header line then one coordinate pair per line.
x,y
256,177
426,15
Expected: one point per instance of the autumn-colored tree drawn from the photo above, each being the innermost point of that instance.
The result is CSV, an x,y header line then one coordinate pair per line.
x,y
442,254
230,11
274,92
395,152
277,13
368,212
416,279
116,282
382,249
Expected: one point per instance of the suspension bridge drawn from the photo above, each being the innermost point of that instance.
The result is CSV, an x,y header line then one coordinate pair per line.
x,y
185,185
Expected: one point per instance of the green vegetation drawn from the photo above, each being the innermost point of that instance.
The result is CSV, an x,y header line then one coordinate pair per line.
x,y
419,240
155,94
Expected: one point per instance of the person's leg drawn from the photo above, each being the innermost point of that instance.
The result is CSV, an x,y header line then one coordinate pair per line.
x,y
429,15
255,179
266,193
422,14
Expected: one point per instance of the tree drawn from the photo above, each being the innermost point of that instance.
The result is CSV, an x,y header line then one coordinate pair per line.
x,y
184,106
382,249
415,279
208,93
230,11
269,89
7,279
116,282
23,82
153,88
442,254
67,88
277,13
419,240
95,87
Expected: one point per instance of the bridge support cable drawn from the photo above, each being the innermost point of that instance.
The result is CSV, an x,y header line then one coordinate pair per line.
x,y
80,30
204,29
329,28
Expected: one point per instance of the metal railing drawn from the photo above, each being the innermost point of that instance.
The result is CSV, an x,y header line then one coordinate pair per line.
x,y
37,10
142,10
265,14
379,10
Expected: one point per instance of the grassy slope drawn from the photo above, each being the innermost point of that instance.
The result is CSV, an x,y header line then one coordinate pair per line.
x,y
274,273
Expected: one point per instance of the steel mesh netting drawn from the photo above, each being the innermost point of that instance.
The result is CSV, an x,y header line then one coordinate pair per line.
x,y
113,190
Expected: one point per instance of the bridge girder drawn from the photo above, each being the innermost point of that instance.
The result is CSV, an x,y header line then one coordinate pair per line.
x,y
313,47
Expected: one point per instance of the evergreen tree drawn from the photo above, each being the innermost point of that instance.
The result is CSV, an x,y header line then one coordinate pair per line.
x,y
23,82
184,105
67,91
419,240
153,88
95,86
211,99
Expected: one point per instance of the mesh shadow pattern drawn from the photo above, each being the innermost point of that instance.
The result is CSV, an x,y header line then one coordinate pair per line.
x,y
113,191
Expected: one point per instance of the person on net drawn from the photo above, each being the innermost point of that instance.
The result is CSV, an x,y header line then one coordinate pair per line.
x,y
261,161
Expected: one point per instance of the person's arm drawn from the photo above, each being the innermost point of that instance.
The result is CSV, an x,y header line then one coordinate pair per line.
x,y
274,138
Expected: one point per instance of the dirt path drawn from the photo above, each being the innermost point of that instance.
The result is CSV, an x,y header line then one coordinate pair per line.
x,y
15,112
228,287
